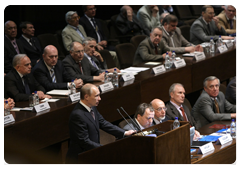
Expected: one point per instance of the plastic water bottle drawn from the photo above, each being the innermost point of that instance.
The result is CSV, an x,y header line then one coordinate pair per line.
x,y
219,41
176,123
6,109
36,98
115,78
173,57
212,46
72,87
233,129
106,77
167,61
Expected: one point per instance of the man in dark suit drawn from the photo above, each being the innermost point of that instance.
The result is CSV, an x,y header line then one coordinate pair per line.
x,y
19,83
231,91
31,44
211,105
12,46
50,72
86,71
143,118
85,122
160,111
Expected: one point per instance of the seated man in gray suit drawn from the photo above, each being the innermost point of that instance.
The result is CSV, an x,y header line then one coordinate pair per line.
x,y
160,111
151,48
143,118
212,105
206,27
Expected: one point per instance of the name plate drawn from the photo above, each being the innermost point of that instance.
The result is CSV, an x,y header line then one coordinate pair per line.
x,y
9,119
229,44
199,56
41,107
128,76
179,63
106,86
75,97
206,148
158,69
224,139
222,48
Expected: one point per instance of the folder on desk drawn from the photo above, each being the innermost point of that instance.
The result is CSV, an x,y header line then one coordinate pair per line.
x,y
58,92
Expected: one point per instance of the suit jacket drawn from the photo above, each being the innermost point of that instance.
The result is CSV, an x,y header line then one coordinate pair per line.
x,y
133,124
231,91
14,88
225,24
10,52
200,33
90,30
179,41
204,109
144,15
131,28
84,131
42,75
70,35
33,54
172,112
164,120
146,52
73,69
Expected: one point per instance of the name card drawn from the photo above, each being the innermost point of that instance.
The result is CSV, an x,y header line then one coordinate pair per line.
x,y
158,69
224,139
9,119
206,148
222,48
128,76
106,86
229,44
179,63
199,56
41,107
75,97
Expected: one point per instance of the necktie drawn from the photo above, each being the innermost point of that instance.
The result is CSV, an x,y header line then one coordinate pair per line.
x,y
31,41
183,114
92,113
208,25
231,23
80,66
156,51
216,106
27,89
15,46
53,76
97,29
94,64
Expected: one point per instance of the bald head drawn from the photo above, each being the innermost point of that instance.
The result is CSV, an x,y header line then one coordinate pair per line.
x,y
10,29
156,102
50,55
159,108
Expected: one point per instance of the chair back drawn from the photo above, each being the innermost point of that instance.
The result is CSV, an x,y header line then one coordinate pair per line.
x,y
136,40
125,53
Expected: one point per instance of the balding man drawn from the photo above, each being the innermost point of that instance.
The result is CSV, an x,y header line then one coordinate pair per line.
x,y
160,111
50,72
85,122
12,46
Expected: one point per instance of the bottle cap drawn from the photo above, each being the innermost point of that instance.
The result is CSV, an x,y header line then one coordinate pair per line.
x,y
106,71
233,120
176,118
72,81
115,69
35,92
173,51
6,101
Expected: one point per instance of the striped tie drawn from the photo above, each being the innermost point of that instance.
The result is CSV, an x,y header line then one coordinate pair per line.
x,y
52,76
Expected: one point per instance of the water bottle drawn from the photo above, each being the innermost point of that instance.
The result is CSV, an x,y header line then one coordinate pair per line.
x,y
106,77
115,78
212,46
233,129
167,61
173,57
176,123
72,87
6,109
219,41
36,98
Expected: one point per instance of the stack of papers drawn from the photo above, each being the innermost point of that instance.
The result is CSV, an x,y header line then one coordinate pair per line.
x,y
134,70
58,92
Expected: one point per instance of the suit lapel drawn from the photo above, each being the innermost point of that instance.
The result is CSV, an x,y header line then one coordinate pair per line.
x,y
205,26
18,78
176,112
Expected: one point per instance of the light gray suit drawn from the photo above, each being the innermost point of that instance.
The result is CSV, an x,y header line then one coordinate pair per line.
x,y
69,35
204,109
200,33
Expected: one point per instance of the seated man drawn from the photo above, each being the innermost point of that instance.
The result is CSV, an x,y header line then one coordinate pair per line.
x,y
160,111
206,27
151,48
172,37
85,122
227,19
143,118
50,72
85,70
211,105
128,24
19,83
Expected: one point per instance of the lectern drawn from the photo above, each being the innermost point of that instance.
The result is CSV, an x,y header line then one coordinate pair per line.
x,y
171,147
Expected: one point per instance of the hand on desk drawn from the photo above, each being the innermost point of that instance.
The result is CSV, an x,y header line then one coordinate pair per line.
x,y
129,132
41,95
196,135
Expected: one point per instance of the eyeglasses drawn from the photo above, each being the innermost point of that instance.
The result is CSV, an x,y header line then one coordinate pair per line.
x,y
90,9
78,52
161,108
76,18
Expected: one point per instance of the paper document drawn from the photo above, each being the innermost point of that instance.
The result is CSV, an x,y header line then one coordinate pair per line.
x,y
58,92
153,63
22,109
134,69
49,100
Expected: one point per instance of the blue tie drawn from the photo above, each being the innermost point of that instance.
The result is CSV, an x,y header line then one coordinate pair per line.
x,y
53,76
27,89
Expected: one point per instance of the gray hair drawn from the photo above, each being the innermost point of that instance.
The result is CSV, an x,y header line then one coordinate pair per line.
x,y
210,78
87,40
172,87
17,59
160,28
226,6
142,108
69,14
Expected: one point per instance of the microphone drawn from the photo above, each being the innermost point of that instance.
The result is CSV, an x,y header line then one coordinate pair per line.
x,y
125,120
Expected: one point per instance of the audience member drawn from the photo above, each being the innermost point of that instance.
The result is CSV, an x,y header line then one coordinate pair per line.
x,y
231,91
211,105
160,111
10,104
162,16
227,19
143,118
85,122
19,83
12,46
31,44
50,72
151,48
165,9
206,27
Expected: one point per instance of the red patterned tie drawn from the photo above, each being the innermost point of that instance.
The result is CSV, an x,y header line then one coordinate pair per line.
x,y
183,114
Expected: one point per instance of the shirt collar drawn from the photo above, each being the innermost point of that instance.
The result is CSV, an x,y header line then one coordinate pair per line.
x,y
88,17
88,108
75,28
139,124
205,21
49,68
234,18
178,107
28,40
14,40
20,74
